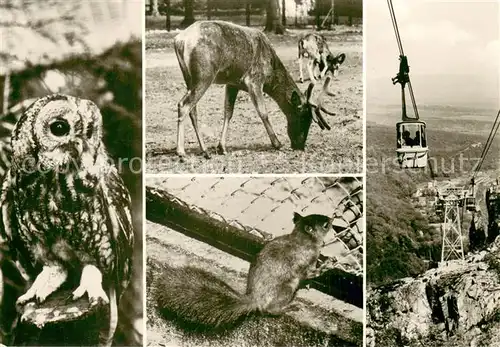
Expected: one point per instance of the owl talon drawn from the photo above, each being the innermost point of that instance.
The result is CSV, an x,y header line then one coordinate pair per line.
x,y
98,301
91,283
47,282
23,299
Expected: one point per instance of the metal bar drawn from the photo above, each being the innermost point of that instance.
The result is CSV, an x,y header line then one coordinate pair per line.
x,y
326,18
6,93
165,209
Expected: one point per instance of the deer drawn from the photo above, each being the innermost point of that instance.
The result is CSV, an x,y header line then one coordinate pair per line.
x,y
242,59
315,49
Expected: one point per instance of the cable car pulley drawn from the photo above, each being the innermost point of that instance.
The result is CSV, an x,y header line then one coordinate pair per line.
x,y
411,146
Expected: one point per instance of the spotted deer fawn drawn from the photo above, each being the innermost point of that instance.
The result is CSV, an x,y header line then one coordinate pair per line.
x,y
241,58
315,49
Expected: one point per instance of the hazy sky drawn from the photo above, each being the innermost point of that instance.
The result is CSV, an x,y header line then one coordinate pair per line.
x,y
451,44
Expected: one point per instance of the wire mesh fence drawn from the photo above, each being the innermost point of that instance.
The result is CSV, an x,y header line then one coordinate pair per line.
x,y
264,207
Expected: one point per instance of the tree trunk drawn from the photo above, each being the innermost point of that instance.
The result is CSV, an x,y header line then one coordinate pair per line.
x,y
283,12
188,14
247,12
296,12
272,18
316,14
154,8
168,23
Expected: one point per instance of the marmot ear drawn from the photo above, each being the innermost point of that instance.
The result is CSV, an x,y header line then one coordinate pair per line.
x,y
296,218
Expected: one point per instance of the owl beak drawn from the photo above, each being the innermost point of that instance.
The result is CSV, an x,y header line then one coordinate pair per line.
x,y
78,146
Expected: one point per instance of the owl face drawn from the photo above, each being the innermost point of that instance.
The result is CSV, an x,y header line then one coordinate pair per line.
x,y
58,132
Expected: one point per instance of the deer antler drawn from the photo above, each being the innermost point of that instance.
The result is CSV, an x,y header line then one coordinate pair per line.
x,y
317,116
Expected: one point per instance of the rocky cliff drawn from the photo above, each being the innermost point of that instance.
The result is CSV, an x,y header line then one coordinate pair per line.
x,y
456,304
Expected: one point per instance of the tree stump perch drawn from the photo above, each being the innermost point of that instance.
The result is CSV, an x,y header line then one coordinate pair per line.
x,y
60,321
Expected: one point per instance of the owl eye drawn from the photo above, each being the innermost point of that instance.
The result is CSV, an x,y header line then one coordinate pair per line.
x,y
60,128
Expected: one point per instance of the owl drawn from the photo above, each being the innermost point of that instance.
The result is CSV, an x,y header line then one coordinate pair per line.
x,y
65,210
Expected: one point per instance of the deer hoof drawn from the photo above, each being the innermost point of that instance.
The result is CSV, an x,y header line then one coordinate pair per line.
x,y
220,150
206,155
277,144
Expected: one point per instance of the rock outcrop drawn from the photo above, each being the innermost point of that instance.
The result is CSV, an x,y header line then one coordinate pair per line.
x,y
458,301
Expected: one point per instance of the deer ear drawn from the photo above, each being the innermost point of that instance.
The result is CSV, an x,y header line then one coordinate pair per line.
x,y
309,91
296,217
340,58
296,99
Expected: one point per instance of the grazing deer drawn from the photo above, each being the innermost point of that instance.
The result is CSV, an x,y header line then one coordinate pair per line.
x,y
315,49
243,59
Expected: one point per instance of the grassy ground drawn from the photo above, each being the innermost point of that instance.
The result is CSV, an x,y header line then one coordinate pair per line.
x,y
249,148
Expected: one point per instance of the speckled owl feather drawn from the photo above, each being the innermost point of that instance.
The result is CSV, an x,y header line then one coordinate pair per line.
x,y
64,206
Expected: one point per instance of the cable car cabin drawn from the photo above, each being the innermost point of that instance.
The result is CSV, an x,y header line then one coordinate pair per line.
x,y
470,203
411,144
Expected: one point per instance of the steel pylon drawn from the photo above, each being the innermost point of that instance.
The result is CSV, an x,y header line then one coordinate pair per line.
x,y
453,247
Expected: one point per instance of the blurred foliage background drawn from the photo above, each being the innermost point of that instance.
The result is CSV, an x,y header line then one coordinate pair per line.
x,y
177,14
88,49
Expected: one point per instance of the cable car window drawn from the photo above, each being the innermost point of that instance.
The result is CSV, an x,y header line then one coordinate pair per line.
x,y
410,135
424,140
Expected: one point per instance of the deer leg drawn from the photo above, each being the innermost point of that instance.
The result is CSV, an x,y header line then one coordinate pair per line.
x,y
301,78
185,107
325,67
258,101
180,126
194,119
310,69
231,93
